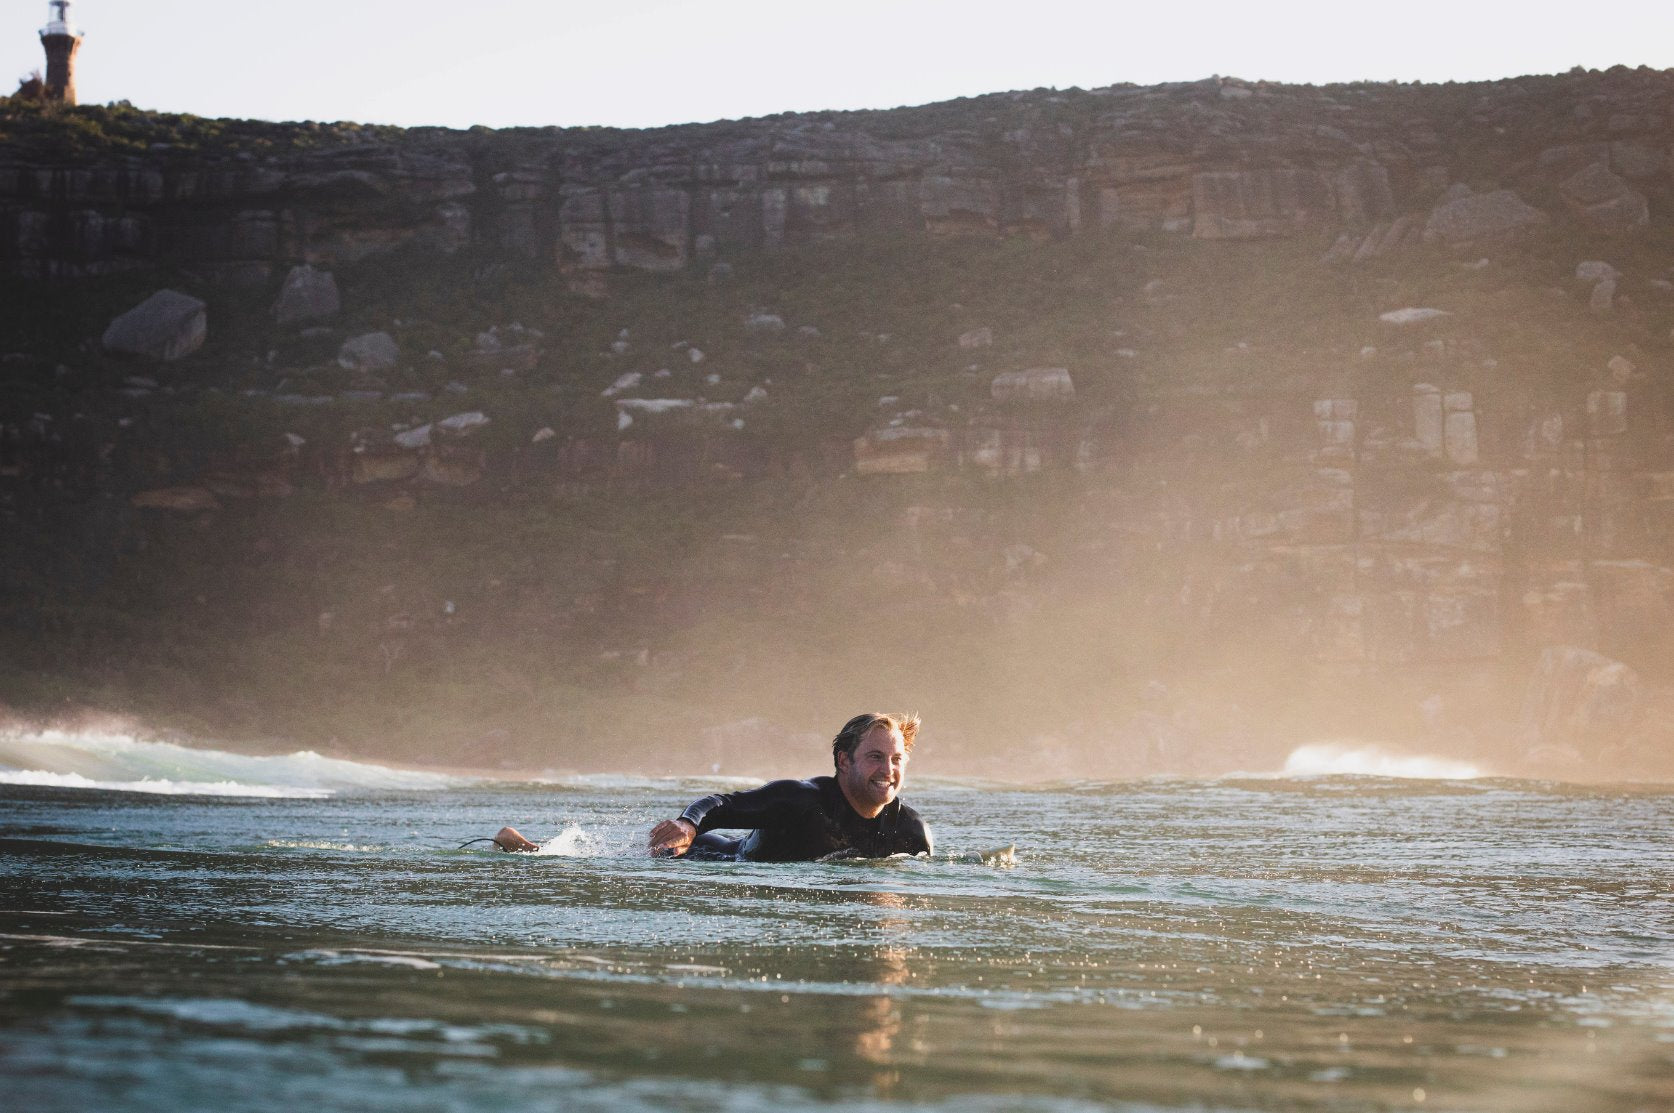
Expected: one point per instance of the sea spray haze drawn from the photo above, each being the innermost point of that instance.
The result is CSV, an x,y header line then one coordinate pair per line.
x,y
1160,429
1306,942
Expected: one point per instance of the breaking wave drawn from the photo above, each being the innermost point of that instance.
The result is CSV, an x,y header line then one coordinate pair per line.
x,y
116,762
1364,759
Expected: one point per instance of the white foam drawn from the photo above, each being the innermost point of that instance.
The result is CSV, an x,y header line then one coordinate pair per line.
x,y
1370,760
160,788
571,842
119,762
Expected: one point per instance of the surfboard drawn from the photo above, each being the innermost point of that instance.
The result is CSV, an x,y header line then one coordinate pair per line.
x,y
1001,857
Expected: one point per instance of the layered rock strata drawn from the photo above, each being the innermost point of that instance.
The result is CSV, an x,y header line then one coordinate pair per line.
x,y
1215,159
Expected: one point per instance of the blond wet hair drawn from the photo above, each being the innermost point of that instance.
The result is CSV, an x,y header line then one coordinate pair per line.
x,y
858,727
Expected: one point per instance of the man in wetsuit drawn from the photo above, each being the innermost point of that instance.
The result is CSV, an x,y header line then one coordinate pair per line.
x,y
857,813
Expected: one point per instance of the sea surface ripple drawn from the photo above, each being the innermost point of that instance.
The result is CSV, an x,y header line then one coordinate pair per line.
x,y
1303,942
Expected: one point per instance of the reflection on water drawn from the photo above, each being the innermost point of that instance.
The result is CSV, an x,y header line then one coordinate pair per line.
x,y
878,1022
1314,943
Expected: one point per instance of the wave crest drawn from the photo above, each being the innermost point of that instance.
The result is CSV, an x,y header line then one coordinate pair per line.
x,y
116,762
1369,760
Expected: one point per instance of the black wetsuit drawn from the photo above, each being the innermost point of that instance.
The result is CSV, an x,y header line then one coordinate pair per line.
x,y
798,821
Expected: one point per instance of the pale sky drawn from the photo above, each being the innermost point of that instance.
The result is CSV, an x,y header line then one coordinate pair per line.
x,y
643,63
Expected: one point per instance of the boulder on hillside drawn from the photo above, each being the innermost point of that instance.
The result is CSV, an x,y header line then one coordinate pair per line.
x,y
414,438
307,295
977,338
1604,202
167,325
1480,216
1577,701
1603,297
370,351
1413,315
461,424
1036,384
900,450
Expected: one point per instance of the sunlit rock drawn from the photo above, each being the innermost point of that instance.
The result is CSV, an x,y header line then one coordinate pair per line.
x,y
1603,298
1578,699
1607,413
1604,202
414,438
1036,384
900,450
1459,429
1335,420
1412,315
462,424
1427,416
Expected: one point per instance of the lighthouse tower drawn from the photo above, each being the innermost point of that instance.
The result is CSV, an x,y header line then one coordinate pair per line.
x,y
62,39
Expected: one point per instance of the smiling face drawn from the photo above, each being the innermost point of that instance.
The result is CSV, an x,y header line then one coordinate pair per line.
x,y
871,776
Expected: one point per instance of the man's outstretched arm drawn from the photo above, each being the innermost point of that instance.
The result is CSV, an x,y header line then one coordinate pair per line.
x,y
759,807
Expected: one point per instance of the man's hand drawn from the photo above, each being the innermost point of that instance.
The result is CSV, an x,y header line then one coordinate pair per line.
x,y
671,837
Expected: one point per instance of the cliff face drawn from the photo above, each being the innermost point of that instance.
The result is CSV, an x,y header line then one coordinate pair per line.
x,y
1186,423
1217,159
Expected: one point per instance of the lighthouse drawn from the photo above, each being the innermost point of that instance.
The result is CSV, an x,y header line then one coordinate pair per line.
x,y
62,39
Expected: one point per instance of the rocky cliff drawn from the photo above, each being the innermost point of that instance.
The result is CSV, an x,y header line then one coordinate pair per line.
x,y
1186,423
1216,159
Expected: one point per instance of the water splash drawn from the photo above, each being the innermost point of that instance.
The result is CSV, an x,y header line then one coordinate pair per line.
x,y
1370,760
571,842
42,779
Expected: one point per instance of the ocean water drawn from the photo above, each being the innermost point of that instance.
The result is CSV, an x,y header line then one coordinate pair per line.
x,y
185,930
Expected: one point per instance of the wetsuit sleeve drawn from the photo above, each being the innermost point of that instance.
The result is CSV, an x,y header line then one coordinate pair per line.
x,y
773,804
916,838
